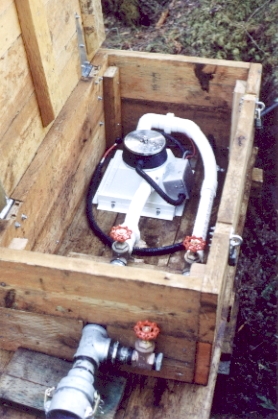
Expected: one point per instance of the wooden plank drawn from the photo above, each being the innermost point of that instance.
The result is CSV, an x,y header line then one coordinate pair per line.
x,y
239,92
75,188
80,238
177,79
30,373
48,334
43,270
82,289
230,331
16,86
203,358
167,399
57,160
8,413
38,45
27,133
134,262
9,26
239,157
112,105
254,79
62,26
214,121
93,25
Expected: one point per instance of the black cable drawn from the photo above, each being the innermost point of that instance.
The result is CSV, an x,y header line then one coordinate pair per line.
x,y
107,240
157,188
176,143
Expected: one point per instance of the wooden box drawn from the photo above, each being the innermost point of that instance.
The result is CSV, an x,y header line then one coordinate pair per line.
x,y
55,275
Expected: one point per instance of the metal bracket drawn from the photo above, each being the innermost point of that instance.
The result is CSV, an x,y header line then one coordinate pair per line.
x,y
86,67
6,209
235,243
259,108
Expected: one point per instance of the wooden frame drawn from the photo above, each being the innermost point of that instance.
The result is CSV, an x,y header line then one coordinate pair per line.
x,y
49,177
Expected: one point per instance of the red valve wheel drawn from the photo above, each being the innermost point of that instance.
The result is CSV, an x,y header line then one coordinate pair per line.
x,y
120,233
146,330
194,243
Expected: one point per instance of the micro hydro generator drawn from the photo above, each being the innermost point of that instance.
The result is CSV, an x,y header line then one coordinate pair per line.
x,y
145,178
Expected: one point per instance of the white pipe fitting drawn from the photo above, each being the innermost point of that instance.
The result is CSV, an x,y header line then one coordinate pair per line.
x,y
134,212
169,124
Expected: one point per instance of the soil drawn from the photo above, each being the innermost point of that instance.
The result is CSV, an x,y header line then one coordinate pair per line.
x,y
250,389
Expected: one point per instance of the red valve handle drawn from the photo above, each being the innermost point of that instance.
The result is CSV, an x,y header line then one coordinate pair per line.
x,y
146,330
194,243
120,233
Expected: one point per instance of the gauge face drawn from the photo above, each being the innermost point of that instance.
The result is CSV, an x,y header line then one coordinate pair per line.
x,y
145,142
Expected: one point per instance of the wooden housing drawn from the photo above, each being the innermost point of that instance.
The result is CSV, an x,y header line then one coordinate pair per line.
x,y
54,274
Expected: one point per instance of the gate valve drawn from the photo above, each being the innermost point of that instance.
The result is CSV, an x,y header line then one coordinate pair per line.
x,y
144,355
194,244
146,330
120,233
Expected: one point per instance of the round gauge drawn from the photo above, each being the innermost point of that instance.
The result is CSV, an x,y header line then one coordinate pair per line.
x,y
145,142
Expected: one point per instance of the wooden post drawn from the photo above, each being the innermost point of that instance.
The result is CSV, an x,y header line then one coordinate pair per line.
x,y
112,105
239,91
93,25
38,45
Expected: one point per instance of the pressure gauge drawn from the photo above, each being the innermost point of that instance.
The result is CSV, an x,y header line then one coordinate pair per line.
x,y
145,142
146,146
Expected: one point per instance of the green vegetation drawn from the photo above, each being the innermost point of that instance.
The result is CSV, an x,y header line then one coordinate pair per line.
x,y
225,29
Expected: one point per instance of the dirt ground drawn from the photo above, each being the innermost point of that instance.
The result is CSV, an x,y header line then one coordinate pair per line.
x,y
168,26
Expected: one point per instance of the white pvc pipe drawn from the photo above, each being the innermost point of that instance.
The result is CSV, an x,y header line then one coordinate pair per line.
x,y
170,123
134,212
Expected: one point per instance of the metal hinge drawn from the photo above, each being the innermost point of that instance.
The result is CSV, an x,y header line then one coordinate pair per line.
x,y
87,69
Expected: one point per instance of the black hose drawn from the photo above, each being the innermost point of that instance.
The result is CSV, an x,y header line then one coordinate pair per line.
x,y
157,188
107,240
